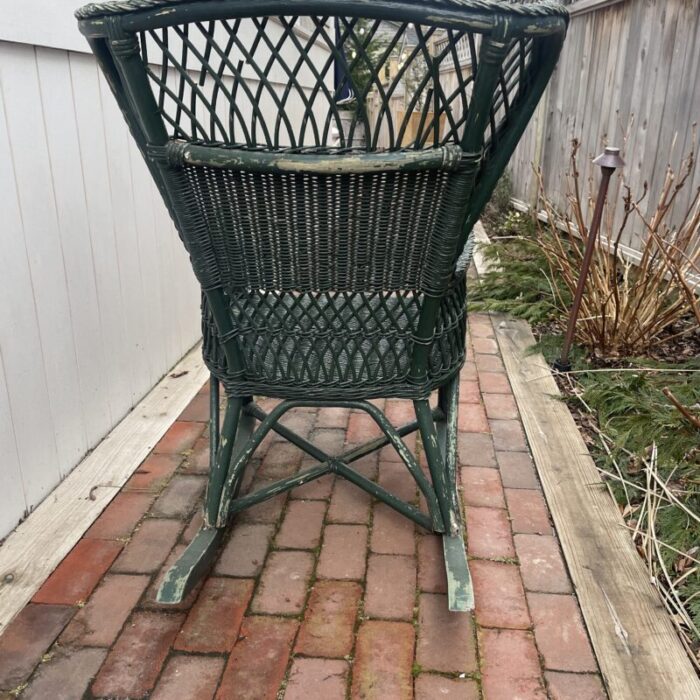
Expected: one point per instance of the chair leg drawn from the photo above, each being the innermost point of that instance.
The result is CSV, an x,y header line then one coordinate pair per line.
x,y
200,554
440,444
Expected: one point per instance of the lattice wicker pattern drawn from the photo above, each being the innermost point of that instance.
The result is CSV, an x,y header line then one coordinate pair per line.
x,y
345,344
321,275
214,85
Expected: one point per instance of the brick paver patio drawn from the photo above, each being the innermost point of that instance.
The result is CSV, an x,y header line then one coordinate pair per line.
x,y
319,594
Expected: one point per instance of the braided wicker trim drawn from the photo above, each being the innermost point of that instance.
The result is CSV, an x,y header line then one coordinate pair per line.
x,y
543,8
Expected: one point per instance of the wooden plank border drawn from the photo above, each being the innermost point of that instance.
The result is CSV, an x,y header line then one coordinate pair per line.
x,y
41,542
638,650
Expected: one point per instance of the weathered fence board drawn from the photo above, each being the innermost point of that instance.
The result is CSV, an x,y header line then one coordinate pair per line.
x,y
628,76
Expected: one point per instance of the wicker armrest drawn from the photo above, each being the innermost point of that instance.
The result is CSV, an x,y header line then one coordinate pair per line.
x,y
180,153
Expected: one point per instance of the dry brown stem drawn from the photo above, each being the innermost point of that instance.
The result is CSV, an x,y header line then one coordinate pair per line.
x,y
627,309
684,410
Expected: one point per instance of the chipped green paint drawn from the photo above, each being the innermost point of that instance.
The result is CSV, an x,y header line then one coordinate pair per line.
x,y
193,564
179,153
460,590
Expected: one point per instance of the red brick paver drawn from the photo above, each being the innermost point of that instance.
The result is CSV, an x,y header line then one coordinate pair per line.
x,y
245,552
101,620
317,679
284,583
322,593
528,511
79,573
135,661
189,677
517,470
391,586
179,497
559,632
430,686
445,641
510,667
180,438
302,525
149,547
120,517
482,487
344,552
213,623
26,639
329,622
153,474
432,577
501,596
575,686
488,533
67,674
541,564
383,661
391,533
257,665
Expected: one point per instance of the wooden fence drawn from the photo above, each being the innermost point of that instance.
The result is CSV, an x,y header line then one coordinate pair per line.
x,y
629,75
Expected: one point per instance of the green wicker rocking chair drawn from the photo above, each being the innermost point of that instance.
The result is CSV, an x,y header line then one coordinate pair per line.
x,y
324,162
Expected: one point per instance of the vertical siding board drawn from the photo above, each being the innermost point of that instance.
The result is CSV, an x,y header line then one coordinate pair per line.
x,y
686,93
125,238
616,78
603,36
689,85
24,115
91,138
648,83
32,435
148,261
660,146
11,486
64,157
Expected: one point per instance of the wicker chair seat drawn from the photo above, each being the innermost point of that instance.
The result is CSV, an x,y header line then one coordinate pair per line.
x,y
337,345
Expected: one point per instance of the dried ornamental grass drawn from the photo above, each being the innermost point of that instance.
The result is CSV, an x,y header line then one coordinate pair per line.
x,y
627,308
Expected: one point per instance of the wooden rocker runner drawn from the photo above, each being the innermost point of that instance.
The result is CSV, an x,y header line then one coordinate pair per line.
x,y
324,162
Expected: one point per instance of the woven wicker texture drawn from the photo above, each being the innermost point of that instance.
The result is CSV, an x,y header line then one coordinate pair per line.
x,y
541,8
325,276
328,282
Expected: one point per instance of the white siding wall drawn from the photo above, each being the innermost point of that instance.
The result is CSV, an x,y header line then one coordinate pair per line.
x,y
97,297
